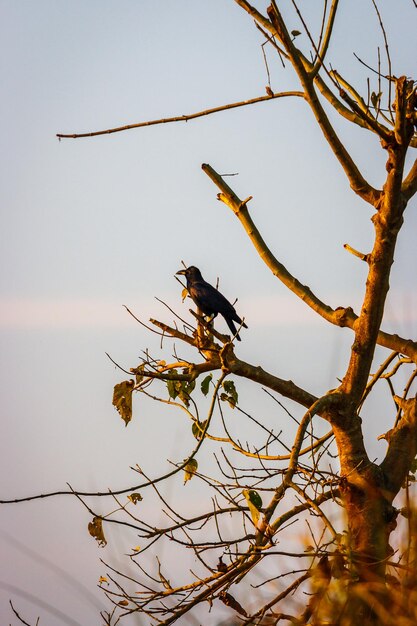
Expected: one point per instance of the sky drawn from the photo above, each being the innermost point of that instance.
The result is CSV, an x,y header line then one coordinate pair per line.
x,y
90,225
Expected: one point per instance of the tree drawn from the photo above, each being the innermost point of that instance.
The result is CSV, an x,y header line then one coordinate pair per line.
x,y
263,486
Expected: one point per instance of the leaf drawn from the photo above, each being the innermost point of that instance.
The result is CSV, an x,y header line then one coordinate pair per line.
x,y
254,497
186,390
102,579
181,389
173,386
122,399
205,385
254,502
295,33
138,372
190,469
376,98
198,429
231,395
229,600
135,498
184,293
221,567
123,603
95,528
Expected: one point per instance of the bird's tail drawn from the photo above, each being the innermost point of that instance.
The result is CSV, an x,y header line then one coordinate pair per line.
x,y
232,328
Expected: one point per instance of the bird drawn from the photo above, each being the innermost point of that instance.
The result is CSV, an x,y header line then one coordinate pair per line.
x,y
209,300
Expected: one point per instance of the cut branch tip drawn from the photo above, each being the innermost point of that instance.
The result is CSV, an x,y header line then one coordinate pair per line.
x,y
360,255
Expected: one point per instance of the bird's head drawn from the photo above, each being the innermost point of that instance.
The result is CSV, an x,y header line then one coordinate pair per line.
x,y
191,273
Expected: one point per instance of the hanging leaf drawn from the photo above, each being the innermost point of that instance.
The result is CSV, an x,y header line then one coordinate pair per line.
x,y
102,579
173,386
231,395
198,429
184,293
254,502
254,497
95,528
122,399
221,566
138,372
376,99
181,389
205,385
186,390
295,33
229,600
123,603
190,469
135,498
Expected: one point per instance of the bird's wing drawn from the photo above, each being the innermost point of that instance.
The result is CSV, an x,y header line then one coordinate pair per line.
x,y
210,300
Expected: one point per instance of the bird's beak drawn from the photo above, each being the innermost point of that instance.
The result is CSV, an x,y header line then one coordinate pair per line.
x,y
181,272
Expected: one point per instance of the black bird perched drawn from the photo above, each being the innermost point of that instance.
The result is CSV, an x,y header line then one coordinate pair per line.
x,y
209,300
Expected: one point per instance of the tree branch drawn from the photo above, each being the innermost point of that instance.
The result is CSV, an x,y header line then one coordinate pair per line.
x,y
387,223
326,40
409,187
357,181
402,446
183,118
342,317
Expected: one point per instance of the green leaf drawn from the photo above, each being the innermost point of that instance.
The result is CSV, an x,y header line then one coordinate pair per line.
x,y
229,387
198,429
254,497
122,399
190,469
173,386
180,388
295,33
231,395
254,502
205,385
186,390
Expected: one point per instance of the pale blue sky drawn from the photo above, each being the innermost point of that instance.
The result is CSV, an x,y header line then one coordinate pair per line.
x,y
92,224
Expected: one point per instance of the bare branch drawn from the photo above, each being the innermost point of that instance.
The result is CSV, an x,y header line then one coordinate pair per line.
x,y
340,316
327,36
183,118
402,446
19,617
357,181
409,187
360,255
